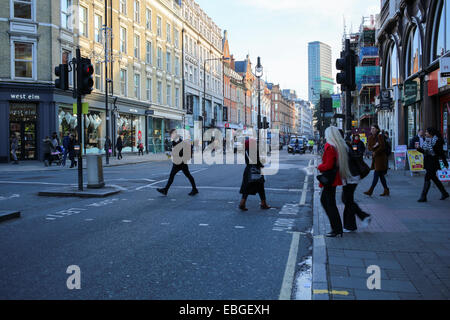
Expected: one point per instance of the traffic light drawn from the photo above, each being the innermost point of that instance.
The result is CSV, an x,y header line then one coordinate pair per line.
x,y
85,72
62,72
327,105
346,64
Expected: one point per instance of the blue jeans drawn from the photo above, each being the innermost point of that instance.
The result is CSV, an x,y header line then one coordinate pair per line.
x,y
379,175
64,157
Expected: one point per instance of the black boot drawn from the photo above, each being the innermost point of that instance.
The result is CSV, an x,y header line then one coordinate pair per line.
x,y
441,188
193,192
426,188
162,190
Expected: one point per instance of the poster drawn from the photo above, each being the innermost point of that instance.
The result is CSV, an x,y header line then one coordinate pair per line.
x,y
400,157
444,175
415,161
363,138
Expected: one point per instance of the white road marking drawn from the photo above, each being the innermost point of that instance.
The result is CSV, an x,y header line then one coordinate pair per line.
x,y
10,197
288,279
283,224
126,221
239,227
305,191
158,182
225,188
203,225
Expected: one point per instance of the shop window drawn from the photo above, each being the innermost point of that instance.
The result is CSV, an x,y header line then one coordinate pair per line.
x,y
23,9
413,53
23,60
441,32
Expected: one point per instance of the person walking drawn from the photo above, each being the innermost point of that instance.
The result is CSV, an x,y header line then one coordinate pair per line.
x,y
108,146
359,170
335,167
417,141
14,145
250,185
65,142
140,147
47,148
119,147
433,151
71,150
377,145
176,140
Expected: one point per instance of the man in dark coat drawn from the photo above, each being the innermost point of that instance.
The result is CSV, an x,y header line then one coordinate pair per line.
x,y
71,148
420,139
176,140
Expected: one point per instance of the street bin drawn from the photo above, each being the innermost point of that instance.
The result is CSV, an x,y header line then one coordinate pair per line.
x,y
95,171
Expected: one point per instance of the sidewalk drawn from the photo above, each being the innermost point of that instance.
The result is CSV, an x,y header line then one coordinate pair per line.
x,y
408,240
130,158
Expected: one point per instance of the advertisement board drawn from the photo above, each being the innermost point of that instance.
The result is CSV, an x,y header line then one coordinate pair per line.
x,y
415,159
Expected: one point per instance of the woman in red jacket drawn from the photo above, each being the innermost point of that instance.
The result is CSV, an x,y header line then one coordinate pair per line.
x,y
335,156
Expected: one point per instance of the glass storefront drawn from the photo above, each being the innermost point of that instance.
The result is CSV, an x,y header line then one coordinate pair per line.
x,y
94,128
413,121
155,135
132,129
22,124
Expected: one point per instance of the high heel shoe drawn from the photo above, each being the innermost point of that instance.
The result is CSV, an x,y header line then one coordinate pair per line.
x,y
334,234
265,206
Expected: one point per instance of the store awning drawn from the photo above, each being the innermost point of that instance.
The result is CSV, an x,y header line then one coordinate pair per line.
x,y
167,115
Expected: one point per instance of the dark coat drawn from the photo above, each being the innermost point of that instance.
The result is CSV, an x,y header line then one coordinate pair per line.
x,y
119,144
379,157
71,148
246,186
431,163
355,156
47,146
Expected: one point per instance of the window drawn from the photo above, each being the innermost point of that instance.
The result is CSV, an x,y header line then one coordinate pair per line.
x,y
149,54
148,19
66,14
168,32
413,53
191,74
441,34
177,97
168,62
98,76
83,21
23,9
123,40
137,85
97,28
123,6
177,66
137,46
137,12
195,75
159,58
169,95
158,27
23,60
148,88
66,57
159,92
176,37
123,82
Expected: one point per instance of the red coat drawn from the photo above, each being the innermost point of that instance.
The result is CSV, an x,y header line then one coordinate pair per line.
x,y
329,159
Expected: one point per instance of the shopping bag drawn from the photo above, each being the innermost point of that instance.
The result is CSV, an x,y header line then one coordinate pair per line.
x,y
444,175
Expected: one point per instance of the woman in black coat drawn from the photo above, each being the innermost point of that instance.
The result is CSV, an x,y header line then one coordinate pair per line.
x,y
119,146
252,188
433,150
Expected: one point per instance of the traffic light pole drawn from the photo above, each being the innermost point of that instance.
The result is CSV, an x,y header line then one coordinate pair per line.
x,y
348,113
80,122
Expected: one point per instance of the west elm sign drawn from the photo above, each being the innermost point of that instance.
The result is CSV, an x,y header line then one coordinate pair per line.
x,y
23,96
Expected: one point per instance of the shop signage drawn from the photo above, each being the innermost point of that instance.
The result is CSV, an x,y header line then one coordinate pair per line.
x,y
411,93
149,112
84,108
354,123
386,100
415,161
445,67
24,96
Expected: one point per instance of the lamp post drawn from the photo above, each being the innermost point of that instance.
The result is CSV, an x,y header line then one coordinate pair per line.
x,y
259,74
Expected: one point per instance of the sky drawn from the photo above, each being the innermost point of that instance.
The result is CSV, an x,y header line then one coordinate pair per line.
x,y
279,31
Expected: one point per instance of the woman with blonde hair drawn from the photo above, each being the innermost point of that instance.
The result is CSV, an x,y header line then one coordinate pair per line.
x,y
334,168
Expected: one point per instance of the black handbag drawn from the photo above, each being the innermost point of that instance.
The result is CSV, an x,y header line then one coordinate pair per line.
x,y
254,175
327,177
363,168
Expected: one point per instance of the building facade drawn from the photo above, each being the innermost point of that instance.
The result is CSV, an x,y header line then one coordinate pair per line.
x,y
320,78
413,38
305,110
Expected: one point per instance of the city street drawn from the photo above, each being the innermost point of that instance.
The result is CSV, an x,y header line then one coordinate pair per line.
x,y
141,245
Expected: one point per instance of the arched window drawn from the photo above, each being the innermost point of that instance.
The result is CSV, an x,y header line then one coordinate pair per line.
x,y
392,68
441,30
413,53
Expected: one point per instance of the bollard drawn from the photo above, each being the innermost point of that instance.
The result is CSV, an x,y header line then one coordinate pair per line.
x,y
95,171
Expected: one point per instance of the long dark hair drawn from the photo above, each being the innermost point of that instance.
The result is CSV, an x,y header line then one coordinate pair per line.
x,y
434,132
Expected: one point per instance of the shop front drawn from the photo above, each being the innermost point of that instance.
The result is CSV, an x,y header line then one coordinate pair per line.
x,y
159,126
412,99
26,112
445,123
131,127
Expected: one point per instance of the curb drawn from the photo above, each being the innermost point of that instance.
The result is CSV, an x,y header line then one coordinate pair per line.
x,y
87,193
9,215
320,281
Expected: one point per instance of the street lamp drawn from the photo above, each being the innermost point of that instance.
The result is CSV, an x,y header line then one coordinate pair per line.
x,y
259,74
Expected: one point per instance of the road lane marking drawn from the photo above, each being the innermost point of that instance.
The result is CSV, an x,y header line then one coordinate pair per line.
x,y
160,181
305,191
221,188
333,292
288,279
203,225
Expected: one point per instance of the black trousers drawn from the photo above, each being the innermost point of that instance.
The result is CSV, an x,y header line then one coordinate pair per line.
x,y
328,201
352,210
379,175
177,168
431,176
261,192
119,154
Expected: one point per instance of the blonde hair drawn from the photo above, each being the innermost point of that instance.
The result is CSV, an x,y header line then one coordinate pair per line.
x,y
335,139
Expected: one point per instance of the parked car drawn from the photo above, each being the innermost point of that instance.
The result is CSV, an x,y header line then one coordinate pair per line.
x,y
297,145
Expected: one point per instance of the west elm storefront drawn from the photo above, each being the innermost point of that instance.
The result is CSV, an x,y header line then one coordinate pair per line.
x,y
27,112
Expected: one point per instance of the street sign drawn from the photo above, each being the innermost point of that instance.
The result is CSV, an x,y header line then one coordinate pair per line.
x,y
336,101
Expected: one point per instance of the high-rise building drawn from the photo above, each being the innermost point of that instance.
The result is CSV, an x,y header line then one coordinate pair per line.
x,y
320,78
